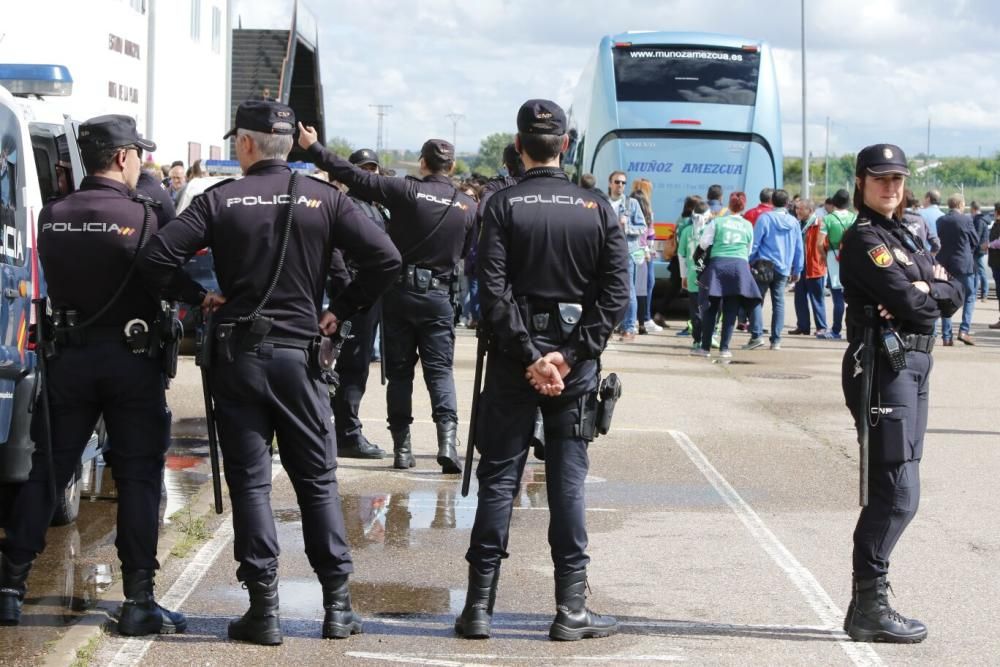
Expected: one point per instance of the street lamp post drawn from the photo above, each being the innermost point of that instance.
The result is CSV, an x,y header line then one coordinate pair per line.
x,y
805,148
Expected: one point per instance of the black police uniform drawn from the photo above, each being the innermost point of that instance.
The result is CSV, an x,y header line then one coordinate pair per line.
x,y
270,387
150,186
544,242
87,243
355,360
430,221
880,260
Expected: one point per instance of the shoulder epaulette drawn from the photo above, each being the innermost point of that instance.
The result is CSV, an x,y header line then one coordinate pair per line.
x,y
143,198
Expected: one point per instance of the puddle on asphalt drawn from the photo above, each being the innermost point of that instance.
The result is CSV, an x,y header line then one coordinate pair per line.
x,y
80,562
185,471
303,598
394,519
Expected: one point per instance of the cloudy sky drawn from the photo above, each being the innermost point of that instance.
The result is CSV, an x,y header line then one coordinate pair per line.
x,y
877,68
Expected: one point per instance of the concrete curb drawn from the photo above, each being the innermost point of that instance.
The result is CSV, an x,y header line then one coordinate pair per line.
x,y
64,651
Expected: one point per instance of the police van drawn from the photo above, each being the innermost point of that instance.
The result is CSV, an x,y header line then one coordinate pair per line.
x,y
39,160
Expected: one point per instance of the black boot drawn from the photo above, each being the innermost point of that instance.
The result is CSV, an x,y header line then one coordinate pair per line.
x,y
474,621
140,614
261,624
340,620
402,453
871,619
447,453
361,450
12,590
573,620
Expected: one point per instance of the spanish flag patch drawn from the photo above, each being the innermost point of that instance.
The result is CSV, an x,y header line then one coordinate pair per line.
x,y
881,256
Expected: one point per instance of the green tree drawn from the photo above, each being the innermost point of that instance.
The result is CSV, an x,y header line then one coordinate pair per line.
x,y
461,168
491,151
340,146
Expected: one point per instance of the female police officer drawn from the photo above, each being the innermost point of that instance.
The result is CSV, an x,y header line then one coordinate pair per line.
x,y
892,286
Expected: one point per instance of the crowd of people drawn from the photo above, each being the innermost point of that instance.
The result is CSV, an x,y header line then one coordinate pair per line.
x,y
730,256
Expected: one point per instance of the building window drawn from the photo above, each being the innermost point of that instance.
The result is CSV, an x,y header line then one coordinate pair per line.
x,y
216,29
196,20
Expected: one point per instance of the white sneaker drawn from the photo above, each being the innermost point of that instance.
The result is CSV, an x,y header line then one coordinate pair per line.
x,y
725,354
775,346
652,326
698,352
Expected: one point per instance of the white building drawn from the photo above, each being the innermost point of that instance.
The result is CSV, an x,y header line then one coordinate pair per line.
x,y
163,62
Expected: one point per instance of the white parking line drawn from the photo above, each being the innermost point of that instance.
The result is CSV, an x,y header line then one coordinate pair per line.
x,y
459,659
134,649
820,601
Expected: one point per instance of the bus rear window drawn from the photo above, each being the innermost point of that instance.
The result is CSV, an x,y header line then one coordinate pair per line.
x,y
686,74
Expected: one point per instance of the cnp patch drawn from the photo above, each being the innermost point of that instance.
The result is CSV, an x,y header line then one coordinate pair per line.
x,y
902,256
881,256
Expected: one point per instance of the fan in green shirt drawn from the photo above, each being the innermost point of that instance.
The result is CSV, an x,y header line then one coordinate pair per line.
x,y
732,236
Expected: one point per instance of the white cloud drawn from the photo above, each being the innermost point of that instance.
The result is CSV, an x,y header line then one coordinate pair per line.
x,y
875,68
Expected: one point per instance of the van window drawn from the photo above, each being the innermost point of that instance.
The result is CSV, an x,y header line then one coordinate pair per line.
x,y
13,220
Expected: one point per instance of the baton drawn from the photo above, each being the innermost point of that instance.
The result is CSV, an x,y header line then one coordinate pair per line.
x,y
204,358
381,344
482,340
867,371
41,345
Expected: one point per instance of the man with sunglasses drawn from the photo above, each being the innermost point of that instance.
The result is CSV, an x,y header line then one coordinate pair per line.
x,y
633,223
104,362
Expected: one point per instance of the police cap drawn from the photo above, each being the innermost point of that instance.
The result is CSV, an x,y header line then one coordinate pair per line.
x,y
363,156
111,131
437,151
264,116
881,160
541,117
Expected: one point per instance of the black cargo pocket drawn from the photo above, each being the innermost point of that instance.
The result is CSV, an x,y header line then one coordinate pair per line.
x,y
892,438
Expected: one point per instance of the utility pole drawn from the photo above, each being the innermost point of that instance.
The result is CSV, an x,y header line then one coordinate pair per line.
x,y
826,168
454,118
382,110
928,138
805,150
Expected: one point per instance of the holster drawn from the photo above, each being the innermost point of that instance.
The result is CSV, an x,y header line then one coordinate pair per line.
x,y
170,332
229,341
551,321
609,391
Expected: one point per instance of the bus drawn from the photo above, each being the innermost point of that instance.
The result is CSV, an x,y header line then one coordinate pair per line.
x,y
683,110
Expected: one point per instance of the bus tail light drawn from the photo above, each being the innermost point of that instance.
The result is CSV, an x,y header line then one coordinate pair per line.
x,y
623,45
685,121
752,48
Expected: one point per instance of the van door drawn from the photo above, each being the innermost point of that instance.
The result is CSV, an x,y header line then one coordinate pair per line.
x,y
15,292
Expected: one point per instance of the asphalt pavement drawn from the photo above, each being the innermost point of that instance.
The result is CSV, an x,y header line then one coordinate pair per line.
x,y
720,511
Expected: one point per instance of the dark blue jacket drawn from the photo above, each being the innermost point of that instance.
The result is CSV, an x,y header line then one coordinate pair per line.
x,y
959,241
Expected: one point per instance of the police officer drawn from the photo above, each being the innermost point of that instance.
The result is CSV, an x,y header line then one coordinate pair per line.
x,y
265,375
87,242
356,353
549,321
887,271
430,222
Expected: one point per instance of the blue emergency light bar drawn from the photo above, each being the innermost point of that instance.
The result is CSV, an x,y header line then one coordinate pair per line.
x,y
22,79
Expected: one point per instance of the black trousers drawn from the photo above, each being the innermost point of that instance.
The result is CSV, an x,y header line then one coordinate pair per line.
x,y
506,421
419,326
258,396
898,419
352,369
84,383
